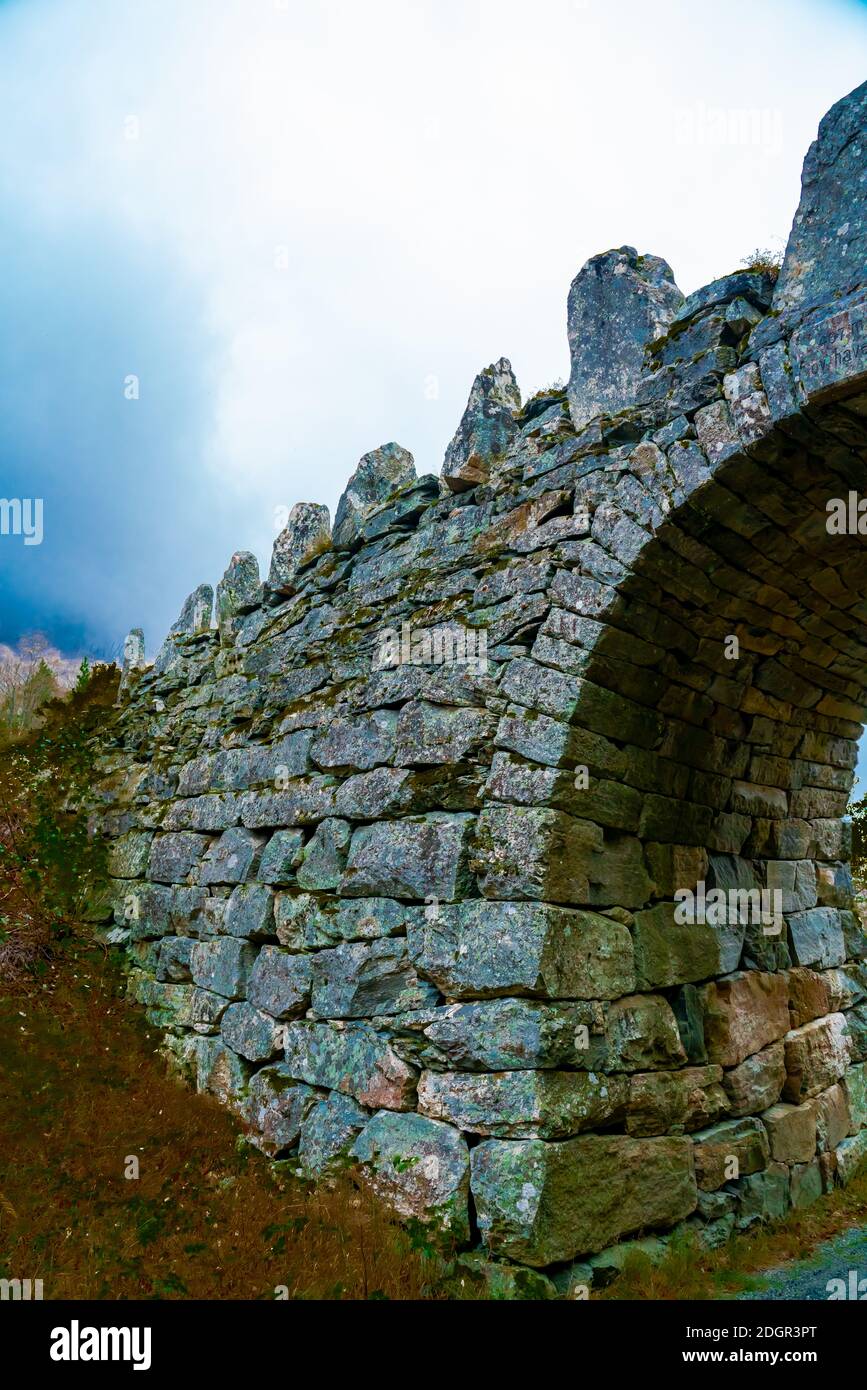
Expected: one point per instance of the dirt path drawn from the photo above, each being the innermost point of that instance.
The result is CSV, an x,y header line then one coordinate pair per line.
x,y
809,1279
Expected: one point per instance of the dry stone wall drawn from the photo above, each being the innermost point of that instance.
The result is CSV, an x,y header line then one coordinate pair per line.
x,y
495,840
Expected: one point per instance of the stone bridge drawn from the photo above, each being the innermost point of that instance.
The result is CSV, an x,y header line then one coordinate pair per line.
x,y
496,838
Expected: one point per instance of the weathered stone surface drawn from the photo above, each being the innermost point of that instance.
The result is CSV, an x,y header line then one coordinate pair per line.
x,y
128,856
173,962
353,1059
674,1102
430,734
728,1151
531,852
763,1196
523,1104
618,303
757,1082
328,1133
831,1111
817,1055
540,1202
250,912
195,616
276,1108
222,1073
281,857
306,534
486,429
641,1032
817,938
806,1184
237,592
417,858
851,1158
251,1033
791,1132
504,1035
323,860
222,966
743,1013
233,858
358,743
420,1166
855,1086
825,255
379,476
670,953
280,983
363,979
173,856
483,949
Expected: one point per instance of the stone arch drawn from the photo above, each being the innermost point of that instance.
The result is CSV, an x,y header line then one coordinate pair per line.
x,y
401,846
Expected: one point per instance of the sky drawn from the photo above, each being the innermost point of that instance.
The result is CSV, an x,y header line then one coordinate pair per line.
x,y
246,241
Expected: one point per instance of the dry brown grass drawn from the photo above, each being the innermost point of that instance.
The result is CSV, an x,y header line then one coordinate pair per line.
x,y
81,1090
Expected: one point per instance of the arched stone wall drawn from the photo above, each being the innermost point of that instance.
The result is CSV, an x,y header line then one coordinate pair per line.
x,y
418,852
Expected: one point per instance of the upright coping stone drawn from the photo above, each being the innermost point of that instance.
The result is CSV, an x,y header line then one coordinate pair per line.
x,y
618,302
306,534
487,428
379,475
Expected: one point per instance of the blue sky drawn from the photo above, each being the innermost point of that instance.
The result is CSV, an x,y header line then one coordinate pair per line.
x,y
304,227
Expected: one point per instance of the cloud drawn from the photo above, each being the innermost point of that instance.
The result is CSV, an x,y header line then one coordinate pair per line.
x,y
305,227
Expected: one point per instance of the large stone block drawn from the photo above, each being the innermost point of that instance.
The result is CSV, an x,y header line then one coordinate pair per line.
x,y
523,1104
379,476
728,1151
222,966
420,1167
232,859
756,1082
831,1111
251,1033
618,303
671,953
483,949
503,1035
250,912
536,853
418,858
791,1132
674,1102
743,1013
328,1133
173,856
351,1058
365,979
817,938
817,1055
855,1086
486,429
276,1108
280,982
541,1203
